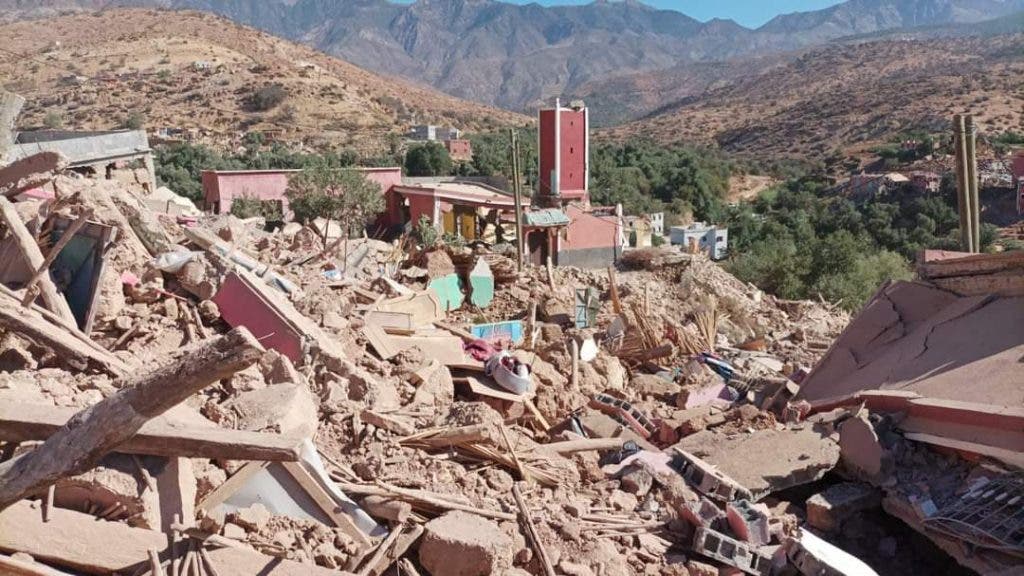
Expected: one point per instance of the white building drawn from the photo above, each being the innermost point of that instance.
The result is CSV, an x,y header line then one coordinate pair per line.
x,y
710,239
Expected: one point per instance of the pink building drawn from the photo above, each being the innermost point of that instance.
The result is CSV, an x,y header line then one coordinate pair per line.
x,y
564,152
221,187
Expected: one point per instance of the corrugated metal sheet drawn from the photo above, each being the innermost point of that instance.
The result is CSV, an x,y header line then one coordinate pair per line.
x,y
546,217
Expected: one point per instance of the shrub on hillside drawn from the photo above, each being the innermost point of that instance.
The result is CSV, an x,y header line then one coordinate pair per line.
x,y
267,97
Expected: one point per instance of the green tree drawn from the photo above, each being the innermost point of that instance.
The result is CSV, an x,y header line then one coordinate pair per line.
x,y
267,97
320,191
429,159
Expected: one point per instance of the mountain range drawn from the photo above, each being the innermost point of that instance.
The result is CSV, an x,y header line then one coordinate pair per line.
x,y
517,56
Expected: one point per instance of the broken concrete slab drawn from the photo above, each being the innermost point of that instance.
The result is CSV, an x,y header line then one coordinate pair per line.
x,y
916,337
463,544
861,452
828,510
765,461
288,409
31,172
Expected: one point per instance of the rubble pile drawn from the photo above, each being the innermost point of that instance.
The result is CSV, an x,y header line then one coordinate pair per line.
x,y
226,398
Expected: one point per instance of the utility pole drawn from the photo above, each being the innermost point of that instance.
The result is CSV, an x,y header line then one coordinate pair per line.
x,y
517,194
963,187
972,183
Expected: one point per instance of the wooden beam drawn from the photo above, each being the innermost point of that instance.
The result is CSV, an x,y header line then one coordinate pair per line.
x,y
44,269
325,502
531,532
84,544
30,252
221,493
63,339
14,567
158,437
614,290
101,428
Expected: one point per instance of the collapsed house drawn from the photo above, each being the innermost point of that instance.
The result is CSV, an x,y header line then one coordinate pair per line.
x,y
243,401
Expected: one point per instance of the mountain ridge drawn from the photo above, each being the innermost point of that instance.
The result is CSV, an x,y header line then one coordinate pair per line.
x,y
519,56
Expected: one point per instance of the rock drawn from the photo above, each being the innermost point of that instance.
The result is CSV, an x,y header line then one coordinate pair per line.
x,y
636,480
211,521
171,308
123,323
575,569
623,501
828,509
234,531
701,569
463,544
209,311
253,518
284,408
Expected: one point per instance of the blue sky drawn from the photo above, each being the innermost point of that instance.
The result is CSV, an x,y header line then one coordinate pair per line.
x,y
751,13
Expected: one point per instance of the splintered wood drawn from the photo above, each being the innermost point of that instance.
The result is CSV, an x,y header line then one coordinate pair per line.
x,y
480,442
643,341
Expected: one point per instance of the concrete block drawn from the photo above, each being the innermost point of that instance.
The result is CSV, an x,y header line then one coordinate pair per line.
x,y
720,547
463,544
827,510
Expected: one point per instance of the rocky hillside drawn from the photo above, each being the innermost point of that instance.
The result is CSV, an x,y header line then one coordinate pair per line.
x,y
517,56
200,72
843,96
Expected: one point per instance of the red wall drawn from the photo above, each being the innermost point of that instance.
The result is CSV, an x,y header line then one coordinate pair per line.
x,y
421,205
574,154
572,149
546,154
459,149
588,231
225,187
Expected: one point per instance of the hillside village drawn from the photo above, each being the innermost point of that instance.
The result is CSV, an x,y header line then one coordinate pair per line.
x,y
385,331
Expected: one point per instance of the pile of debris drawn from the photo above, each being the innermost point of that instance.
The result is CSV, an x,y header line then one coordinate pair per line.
x,y
198,395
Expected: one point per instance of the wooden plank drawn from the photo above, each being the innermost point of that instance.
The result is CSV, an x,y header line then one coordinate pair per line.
x,y
30,252
44,269
82,543
102,427
425,307
14,567
386,319
221,493
158,437
487,387
325,502
380,341
61,338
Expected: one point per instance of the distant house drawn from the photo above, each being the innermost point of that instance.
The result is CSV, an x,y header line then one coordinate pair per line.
x,y
222,187
459,150
862,187
657,223
701,237
1017,171
432,133
925,182
639,229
